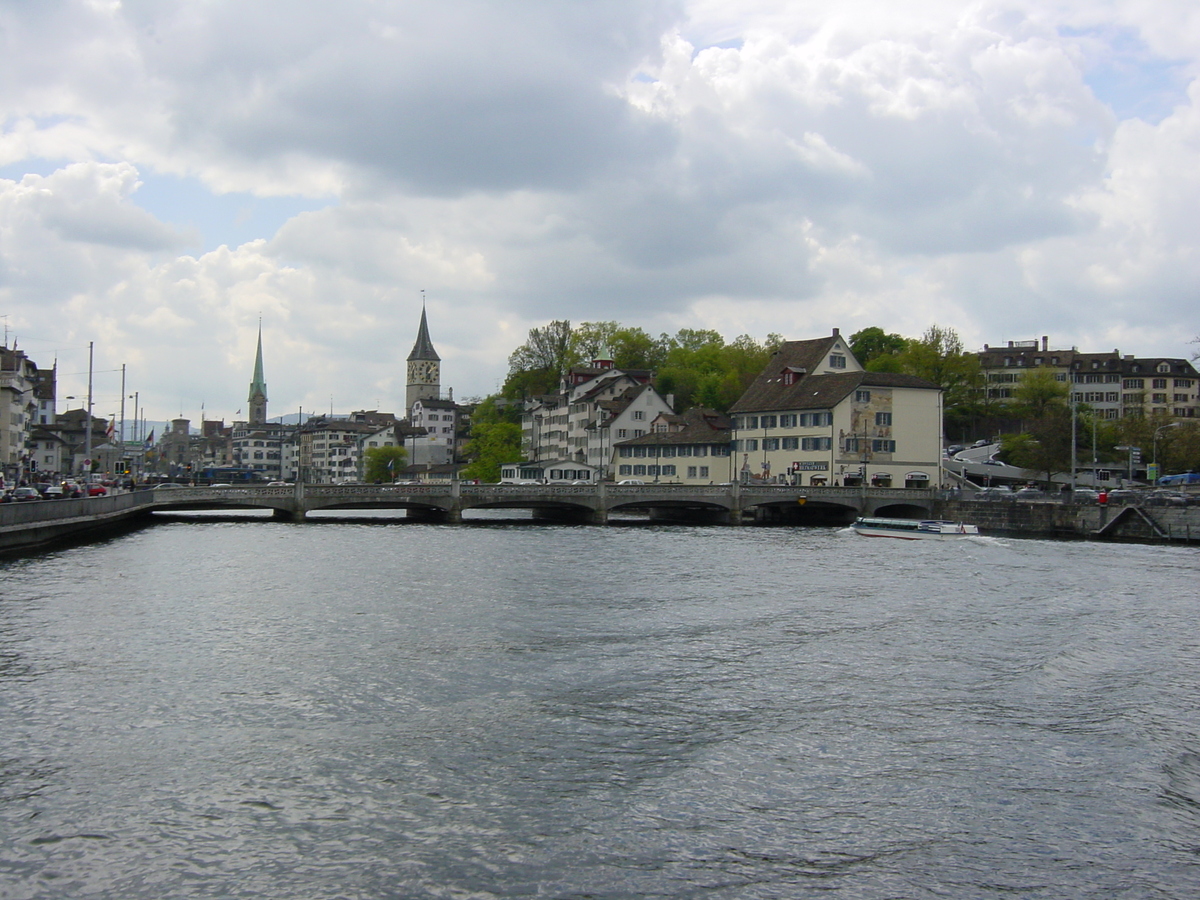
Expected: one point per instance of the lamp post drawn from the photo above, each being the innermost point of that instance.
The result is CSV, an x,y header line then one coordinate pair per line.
x,y
1157,431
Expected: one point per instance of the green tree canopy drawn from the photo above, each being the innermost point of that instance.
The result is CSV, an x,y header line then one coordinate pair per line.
x,y
383,464
874,343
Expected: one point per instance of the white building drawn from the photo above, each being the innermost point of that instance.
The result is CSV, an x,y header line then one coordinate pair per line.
x,y
814,416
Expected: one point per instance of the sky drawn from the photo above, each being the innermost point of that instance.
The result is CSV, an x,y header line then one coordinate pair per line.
x,y
174,173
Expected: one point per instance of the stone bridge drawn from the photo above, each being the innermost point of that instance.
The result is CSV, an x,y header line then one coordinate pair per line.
x,y
594,503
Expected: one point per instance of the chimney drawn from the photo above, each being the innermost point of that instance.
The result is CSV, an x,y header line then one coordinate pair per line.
x,y
1045,343
836,332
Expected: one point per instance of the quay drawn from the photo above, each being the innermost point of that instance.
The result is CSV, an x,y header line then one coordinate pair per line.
x,y
31,524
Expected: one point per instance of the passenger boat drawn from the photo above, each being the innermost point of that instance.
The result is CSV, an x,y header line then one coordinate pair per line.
x,y
913,529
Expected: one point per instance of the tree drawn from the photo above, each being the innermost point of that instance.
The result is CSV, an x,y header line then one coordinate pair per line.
x,y
539,364
938,356
383,463
1039,394
1044,447
495,440
873,343
631,348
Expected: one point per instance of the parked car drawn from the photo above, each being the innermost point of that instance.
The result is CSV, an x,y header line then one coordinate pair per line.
x,y
96,490
53,492
955,448
1030,493
1084,495
22,494
631,481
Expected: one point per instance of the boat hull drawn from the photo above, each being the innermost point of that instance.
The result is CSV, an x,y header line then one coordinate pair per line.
x,y
914,530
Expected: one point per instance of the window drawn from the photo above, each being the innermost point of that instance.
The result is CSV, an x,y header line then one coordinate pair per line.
x,y
626,470
685,450
639,470
704,471
850,445
767,422
837,361
770,444
883,418
638,415
668,452
1159,398
652,470
816,443
787,421
862,396
883,446
1134,384
1183,382
1164,367
815,420
691,471
751,422
702,450
751,445
638,432
625,452
668,470
1181,398
622,433
1160,384
791,443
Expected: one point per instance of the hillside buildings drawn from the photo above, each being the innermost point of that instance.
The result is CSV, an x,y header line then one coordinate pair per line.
x,y
1117,386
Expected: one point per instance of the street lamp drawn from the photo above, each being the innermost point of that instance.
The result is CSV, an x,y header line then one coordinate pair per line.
x,y
1157,432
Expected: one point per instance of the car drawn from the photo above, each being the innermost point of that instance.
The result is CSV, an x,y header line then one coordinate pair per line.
x,y
23,494
97,490
1084,495
955,448
278,484
983,442
168,486
53,492
991,462
631,481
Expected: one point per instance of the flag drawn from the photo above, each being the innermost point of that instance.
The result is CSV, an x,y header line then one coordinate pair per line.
x,y
108,433
149,441
391,465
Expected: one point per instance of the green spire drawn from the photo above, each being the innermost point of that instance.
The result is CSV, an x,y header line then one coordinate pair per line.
x,y
259,385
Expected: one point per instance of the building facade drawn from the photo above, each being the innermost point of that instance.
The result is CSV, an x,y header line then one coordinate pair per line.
x,y
814,416
1117,386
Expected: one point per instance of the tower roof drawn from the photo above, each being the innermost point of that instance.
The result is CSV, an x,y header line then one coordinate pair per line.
x,y
258,386
423,348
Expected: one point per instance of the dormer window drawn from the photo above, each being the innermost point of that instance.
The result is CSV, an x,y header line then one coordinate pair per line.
x,y
791,375
837,361
1164,367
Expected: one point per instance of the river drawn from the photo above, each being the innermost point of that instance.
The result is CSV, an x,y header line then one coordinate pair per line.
x,y
234,708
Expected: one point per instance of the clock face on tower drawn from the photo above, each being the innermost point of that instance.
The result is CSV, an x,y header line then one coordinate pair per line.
x,y
422,372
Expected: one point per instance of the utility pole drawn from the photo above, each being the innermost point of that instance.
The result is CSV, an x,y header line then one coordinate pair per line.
x,y
87,425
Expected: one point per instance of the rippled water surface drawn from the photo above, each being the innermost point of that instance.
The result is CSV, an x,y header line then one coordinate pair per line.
x,y
248,709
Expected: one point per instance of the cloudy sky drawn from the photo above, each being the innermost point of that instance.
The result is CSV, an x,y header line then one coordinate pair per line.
x,y
173,170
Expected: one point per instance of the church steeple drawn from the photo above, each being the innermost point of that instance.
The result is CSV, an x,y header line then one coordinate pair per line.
x,y
258,387
424,366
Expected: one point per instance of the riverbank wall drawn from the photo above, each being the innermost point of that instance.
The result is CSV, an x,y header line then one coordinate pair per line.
x,y
26,526
1142,524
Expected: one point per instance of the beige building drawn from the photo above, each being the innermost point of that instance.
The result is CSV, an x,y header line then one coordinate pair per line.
x,y
692,448
814,416
1115,386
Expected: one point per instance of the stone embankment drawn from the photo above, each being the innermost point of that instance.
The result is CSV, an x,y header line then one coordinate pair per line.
x,y
1051,518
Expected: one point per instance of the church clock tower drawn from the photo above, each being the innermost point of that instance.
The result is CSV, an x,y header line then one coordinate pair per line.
x,y
424,368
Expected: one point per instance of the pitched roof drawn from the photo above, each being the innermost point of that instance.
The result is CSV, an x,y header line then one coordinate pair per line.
x,y
770,390
696,426
423,348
